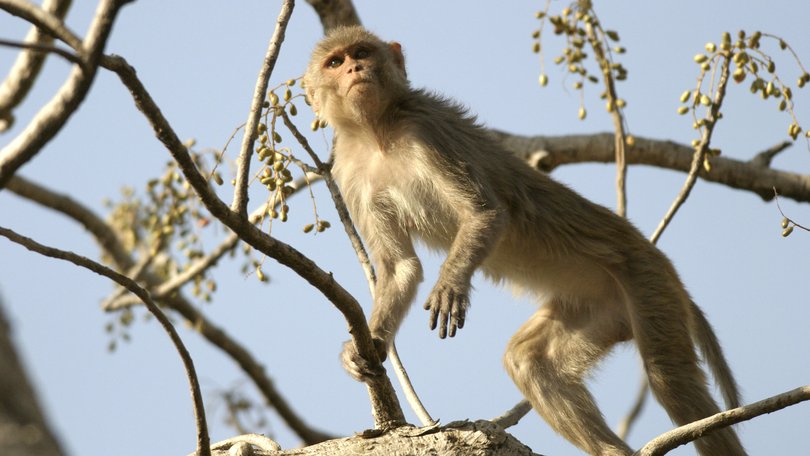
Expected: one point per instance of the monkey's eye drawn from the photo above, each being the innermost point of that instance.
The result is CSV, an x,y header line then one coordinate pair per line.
x,y
334,62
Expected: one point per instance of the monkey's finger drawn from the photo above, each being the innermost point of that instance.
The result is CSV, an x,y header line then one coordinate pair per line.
x,y
443,326
434,313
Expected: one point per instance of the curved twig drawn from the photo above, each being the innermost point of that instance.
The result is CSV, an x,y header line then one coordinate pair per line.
x,y
111,245
408,389
693,431
203,441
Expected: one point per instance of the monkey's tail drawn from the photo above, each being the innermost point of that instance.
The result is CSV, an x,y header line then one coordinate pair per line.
x,y
706,340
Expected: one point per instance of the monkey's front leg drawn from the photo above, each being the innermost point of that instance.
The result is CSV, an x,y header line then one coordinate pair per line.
x,y
450,297
398,275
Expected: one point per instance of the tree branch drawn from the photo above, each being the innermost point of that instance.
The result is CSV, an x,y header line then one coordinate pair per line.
x,y
50,119
23,74
692,431
240,196
203,441
548,152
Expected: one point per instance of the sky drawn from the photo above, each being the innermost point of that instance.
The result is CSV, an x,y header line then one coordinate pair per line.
x,y
200,60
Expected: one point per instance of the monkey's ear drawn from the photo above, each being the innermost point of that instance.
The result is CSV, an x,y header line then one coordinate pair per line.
x,y
399,58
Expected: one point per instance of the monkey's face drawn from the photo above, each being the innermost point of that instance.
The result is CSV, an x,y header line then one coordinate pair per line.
x,y
354,76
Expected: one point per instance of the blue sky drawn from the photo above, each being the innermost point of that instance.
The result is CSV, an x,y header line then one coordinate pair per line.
x,y
200,60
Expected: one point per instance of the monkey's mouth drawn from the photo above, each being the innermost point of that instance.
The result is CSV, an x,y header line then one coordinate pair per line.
x,y
359,82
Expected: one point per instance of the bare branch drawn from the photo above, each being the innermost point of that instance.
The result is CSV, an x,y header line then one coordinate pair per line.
x,y
203,441
548,152
408,389
334,13
385,406
50,119
23,74
513,415
693,431
240,196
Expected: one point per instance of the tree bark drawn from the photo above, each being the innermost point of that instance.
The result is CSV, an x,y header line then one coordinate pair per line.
x,y
23,430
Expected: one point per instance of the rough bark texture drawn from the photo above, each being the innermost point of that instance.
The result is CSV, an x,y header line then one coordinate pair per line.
x,y
23,431
461,438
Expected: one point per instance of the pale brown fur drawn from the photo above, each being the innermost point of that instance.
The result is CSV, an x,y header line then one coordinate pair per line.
x,y
412,165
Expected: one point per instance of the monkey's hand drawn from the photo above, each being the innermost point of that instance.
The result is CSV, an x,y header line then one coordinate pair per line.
x,y
448,306
359,367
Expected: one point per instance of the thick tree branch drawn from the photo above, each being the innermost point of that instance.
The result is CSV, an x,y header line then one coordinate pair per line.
x,y
240,196
50,119
203,441
548,152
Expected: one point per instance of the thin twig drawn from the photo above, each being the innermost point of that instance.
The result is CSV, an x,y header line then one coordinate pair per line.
x,y
693,431
43,19
700,150
620,136
240,196
203,441
407,388
36,47
790,220
626,424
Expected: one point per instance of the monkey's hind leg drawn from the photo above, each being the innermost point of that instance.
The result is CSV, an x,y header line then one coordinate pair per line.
x,y
677,380
548,359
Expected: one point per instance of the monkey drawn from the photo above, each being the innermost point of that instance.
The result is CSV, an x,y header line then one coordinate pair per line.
x,y
414,166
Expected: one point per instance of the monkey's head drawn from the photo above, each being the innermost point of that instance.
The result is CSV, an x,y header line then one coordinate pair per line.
x,y
353,76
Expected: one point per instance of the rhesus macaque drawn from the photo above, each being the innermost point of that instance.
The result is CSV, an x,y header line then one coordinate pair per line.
x,y
412,165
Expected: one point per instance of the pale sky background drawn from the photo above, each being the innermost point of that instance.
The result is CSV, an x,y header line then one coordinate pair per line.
x,y
200,60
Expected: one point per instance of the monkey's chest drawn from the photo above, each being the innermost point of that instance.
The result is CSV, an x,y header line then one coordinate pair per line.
x,y
382,191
